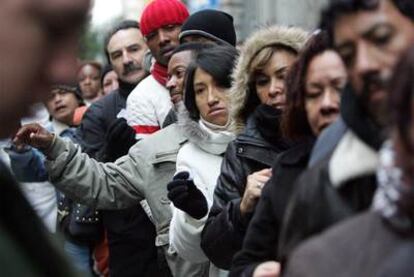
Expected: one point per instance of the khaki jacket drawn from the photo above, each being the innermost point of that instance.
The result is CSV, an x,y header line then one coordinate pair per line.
x,y
142,174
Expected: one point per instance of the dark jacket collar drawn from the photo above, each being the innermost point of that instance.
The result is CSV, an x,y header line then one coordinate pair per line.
x,y
125,88
358,121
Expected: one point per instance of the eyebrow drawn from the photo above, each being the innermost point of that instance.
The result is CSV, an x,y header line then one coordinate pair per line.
x,y
281,69
365,34
369,33
128,46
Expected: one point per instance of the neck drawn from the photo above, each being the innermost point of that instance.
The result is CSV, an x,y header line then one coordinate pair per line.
x,y
159,72
125,88
215,127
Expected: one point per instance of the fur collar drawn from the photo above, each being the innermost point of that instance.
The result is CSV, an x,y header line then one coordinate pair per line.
x,y
288,36
214,142
352,158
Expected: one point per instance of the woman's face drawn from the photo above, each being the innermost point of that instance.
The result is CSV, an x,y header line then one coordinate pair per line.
x,y
211,100
89,81
325,79
270,82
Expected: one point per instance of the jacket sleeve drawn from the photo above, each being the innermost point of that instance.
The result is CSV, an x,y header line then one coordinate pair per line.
x,y
28,166
107,186
91,133
224,230
141,114
185,231
261,237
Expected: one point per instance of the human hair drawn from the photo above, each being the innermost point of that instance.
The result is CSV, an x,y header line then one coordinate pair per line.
x,y
94,64
105,70
218,62
338,8
401,98
258,64
193,47
295,122
123,25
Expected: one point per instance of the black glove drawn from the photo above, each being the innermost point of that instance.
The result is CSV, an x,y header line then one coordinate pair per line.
x,y
119,138
186,196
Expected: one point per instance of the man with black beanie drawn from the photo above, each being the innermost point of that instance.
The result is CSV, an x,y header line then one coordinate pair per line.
x,y
209,25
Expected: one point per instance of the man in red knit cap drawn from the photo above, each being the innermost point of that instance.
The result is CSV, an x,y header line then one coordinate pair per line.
x,y
149,103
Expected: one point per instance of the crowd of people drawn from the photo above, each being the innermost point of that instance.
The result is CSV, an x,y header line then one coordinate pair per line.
x,y
190,153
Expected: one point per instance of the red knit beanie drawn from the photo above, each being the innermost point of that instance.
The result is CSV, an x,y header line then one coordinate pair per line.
x,y
159,13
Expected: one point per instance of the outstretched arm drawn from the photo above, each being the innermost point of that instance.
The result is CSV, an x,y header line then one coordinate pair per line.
x,y
106,186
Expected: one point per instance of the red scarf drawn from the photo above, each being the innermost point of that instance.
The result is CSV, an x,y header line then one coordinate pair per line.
x,y
159,72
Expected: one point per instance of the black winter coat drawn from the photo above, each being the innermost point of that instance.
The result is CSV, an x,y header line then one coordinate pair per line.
x,y
262,235
224,231
321,200
317,204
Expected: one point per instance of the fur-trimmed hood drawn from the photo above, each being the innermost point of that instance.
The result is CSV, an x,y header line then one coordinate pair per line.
x,y
291,37
213,142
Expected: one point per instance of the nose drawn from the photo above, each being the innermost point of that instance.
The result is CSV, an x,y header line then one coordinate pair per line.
x,y
276,87
172,83
62,64
126,58
365,61
330,102
212,98
163,37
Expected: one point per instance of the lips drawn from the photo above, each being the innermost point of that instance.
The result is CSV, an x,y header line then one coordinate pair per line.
x,y
167,50
216,111
60,108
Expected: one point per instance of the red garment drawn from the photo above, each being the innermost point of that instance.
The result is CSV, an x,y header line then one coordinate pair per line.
x,y
160,73
101,258
160,13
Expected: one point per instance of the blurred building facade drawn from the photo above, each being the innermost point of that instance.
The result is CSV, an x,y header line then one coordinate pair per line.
x,y
248,14
252,14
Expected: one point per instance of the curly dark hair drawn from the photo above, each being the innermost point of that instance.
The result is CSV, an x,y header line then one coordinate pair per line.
x,y
337,8
295,122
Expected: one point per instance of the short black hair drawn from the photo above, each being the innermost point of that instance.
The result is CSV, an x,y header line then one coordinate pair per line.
x,y
218,61
123,25
337,8
194,47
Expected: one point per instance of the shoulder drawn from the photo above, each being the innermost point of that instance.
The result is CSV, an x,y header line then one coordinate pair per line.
x,y
341,245
146,87
165,141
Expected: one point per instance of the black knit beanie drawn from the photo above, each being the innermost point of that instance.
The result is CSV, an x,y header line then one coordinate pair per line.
x,y
212,24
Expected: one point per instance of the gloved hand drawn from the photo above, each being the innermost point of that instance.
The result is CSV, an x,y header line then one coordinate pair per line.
x,y
186,196
119,138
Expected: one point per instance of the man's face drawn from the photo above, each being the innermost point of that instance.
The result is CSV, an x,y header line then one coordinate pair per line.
x,y
176,74
126,50
89,79
39,43
370,43
62,105
162,42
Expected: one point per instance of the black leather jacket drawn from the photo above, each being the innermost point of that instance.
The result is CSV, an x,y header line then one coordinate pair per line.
x,y
262,234
225,229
